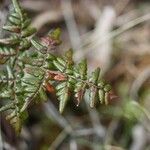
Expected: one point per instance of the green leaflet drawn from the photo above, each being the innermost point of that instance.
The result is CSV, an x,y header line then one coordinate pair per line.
x,y
63,95
69,58
25,44
26,23
17,7
101,96
107,88
19,89
7,107
16,123
12,40
28,32
30,79
61,91
69,71
17,119
11,115
50,57
55,35
5,93
49,62
9,72
79,90
59,66
16,15
93,90
63,100
38,45
4,79
72,81
49,65
43,95
63,64
10,28
61,61
81,70
29,60
69,55
93,96
103,92
35,71
30,89
7,51
95,76
106,98
14,20
101,83
60,86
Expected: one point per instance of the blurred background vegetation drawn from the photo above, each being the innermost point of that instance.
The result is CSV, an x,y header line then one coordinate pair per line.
x,y
112,34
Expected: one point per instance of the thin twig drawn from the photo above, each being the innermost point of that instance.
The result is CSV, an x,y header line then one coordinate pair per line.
x,y
51,111
45,17
95,41
139,138
68,14
98,128
141,78
1,138
60,138
73,144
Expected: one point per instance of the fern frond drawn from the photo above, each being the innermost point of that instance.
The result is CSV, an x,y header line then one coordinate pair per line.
x,y
29,74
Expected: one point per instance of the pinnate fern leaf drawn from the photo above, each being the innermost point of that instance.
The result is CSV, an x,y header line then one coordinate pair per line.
x,y
30,70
